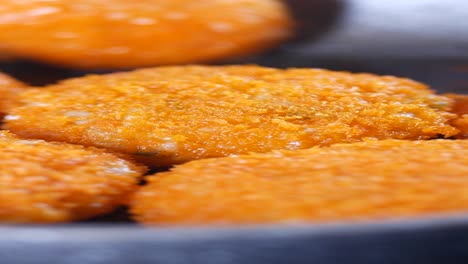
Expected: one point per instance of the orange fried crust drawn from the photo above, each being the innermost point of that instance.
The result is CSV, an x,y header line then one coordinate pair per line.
x,y
171,115
460,107
129,33
359,181
9,88
44,182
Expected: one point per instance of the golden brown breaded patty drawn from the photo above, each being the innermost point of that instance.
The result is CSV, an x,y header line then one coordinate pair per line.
x,y
9,88
44,182
460,107
358,181
129,33
171,115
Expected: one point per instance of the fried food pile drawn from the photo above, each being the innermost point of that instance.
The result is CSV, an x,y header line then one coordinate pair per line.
x,y
170,115
126,33
262,145
43,182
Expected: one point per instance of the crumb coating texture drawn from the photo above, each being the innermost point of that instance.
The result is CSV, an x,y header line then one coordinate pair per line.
x,y
358,181
460,107
42,182
171,115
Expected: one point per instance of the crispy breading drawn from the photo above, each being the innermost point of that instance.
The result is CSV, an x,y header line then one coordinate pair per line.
x,y
128,33
462,124
43,182
171,115
460,107
9,88
357,181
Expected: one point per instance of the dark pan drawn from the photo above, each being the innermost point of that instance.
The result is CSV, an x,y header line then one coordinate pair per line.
x,y
428,241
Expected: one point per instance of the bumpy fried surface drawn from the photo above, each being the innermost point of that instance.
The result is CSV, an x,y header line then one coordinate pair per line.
x,y
359,181
462,124
460,107
55,182
9,88
171,115
128,33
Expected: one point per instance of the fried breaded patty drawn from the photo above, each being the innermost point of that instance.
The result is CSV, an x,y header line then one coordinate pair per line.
x,y
171,115
44,182
358,181
460,107
127,33
9,88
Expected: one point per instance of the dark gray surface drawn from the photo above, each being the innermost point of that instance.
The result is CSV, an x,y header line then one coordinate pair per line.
x,y
383,37
412,241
